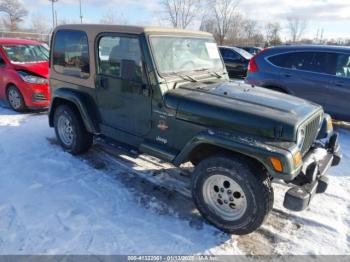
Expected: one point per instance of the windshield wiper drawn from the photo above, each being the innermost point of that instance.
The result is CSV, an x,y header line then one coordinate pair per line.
x,y
185,77
213,73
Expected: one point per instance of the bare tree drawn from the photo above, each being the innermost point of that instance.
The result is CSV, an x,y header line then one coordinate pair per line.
x,y
15,11
234,33
40,24
296,27
221,18
181,13
112,17
249,28
273,31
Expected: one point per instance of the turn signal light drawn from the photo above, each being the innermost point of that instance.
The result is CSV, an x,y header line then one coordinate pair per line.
x,y
277,164
297,159
329,125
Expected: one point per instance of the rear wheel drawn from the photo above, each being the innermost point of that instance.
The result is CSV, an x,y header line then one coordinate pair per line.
x,y
232,193
70,130
15,99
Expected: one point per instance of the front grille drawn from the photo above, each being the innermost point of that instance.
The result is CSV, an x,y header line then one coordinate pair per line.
x,y
312,127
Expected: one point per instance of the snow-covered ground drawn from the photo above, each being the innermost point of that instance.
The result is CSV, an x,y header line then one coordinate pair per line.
x,y
55,203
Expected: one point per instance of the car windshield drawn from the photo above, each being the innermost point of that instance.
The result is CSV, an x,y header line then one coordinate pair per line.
x,y
26,53
176,54
244,53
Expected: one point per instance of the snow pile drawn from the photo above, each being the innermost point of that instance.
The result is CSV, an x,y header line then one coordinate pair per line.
x,y
55,203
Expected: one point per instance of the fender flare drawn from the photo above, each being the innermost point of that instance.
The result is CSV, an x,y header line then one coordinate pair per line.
x,y
83,103
257,151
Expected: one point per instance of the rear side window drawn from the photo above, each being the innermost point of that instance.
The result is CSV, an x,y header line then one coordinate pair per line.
x,y
324,62
299,60
280,60
71,53
229,54
343,65
319,62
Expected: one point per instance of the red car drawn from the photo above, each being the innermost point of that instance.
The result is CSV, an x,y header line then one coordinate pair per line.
x,y
24,72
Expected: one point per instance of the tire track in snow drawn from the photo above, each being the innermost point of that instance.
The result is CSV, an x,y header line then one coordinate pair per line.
x,y
154,196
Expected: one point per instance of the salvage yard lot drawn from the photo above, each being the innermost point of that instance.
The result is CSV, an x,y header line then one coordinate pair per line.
x,y
54,203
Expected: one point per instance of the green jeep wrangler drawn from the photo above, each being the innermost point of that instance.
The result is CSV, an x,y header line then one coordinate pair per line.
x,y
166,93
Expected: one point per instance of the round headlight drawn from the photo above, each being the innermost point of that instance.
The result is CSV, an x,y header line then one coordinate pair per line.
x,y
301,137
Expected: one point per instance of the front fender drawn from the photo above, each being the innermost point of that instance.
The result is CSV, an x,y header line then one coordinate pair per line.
x,y
247,146
83,103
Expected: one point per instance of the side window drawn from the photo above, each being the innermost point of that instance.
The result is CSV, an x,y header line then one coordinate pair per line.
x,y
229,54
343,65
280,60
71,53
295,60
114,52
324,63
224,53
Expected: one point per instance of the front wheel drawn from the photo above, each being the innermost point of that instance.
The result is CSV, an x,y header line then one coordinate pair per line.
x,y
70,130
232,193
15,99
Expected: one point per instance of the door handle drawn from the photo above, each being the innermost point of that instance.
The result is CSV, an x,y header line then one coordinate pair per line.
x,y
143,89
102,82
287,75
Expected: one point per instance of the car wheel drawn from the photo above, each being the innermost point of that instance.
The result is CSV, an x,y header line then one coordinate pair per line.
x,y
15,99
70,130
232,193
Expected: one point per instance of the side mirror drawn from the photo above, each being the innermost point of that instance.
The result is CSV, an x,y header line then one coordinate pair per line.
x,y
128,70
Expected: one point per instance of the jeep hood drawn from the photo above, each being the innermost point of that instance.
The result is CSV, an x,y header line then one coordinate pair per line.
x,y
40,69
241,107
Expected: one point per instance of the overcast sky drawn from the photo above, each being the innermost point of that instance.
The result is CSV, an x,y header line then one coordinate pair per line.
x,y
333,16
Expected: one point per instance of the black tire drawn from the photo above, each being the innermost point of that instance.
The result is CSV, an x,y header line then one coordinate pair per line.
x,y
81,140
252,179
19,105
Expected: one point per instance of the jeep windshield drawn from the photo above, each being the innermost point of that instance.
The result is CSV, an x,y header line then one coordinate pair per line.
x,y
26,53
177,54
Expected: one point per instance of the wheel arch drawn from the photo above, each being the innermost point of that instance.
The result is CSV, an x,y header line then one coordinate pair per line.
x,y
8,86
205,150
80,102
205,145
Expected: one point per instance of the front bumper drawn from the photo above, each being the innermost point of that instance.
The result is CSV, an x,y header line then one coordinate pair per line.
x,y
36,96
312,179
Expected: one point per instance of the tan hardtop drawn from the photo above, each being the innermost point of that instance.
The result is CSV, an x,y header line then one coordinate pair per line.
x,y
127,29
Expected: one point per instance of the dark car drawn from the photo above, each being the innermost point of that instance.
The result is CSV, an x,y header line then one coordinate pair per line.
x,y
318,73
236,61
251,49
166,93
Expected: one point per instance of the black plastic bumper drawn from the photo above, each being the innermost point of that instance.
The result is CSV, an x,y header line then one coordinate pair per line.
x,y
313,179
